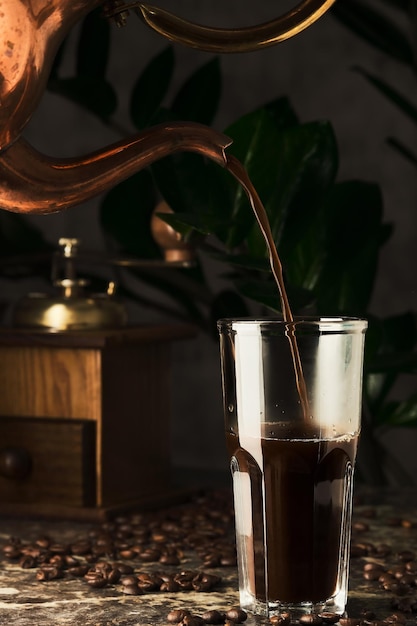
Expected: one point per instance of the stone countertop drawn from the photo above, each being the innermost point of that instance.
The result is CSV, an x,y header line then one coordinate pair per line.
x,y
385,524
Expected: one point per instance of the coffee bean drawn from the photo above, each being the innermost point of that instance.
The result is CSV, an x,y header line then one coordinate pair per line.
x,y
204,582
237,615
280,620
27,562
149,582
358,550
406,556
59,548
405,605
11,551
169,559
396,618
192,620
329,618
129,580
228,560
368,615
150,555
132,590
124,568
383,550
80,548
170,586
349,621
71,561
127,554
48,573
213,617
43,542
96,579
372,571
113,576
310,618
406,523
177,615
78,570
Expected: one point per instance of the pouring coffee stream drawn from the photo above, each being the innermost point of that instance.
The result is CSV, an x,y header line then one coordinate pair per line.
x,y
238,171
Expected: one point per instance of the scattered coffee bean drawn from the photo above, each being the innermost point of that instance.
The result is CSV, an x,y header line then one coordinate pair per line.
x,y
237,615
27,562
177,615
329,618
280,620
132,590
48,573
214,617
310,618
406,556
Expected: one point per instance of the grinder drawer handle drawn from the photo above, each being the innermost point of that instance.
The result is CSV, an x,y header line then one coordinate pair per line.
x,y
15,462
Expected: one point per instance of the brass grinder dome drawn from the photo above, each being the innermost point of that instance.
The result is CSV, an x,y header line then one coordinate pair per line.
x,y
70,306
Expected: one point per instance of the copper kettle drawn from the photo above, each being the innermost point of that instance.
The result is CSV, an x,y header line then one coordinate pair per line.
x,y
31,32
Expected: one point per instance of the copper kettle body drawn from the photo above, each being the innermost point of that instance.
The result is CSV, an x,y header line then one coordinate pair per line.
x,y
31,32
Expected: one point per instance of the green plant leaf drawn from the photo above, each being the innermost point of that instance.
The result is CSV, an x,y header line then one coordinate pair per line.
x,y
307,170
198,98
401,413
397,362
125,215
254,144
185,223
192,185
404,104
403,150
244,262
375,28
151,88
265,292
353,215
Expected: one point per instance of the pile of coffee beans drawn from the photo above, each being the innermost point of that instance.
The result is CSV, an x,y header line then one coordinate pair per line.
x,y
114,552
183,617
236,615
394,571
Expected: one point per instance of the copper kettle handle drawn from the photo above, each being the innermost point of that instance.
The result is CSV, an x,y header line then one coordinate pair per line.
x,y
232,39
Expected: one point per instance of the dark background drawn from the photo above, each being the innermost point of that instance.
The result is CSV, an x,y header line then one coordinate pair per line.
x,y
315,71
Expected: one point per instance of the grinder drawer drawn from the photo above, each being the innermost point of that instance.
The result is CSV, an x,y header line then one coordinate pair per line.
x,y
47,461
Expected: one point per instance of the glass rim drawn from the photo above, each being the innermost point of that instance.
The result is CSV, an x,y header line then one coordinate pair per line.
x,y
335,324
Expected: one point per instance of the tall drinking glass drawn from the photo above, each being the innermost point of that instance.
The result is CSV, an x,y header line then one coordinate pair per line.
x,y
292,404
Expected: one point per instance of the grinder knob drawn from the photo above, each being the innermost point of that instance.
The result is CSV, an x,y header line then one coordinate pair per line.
x,y
15,462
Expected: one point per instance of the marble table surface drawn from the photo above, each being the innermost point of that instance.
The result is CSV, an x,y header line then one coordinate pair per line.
x,y
380,519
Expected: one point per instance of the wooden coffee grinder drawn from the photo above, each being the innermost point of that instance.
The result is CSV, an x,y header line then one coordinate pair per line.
x,y
84,405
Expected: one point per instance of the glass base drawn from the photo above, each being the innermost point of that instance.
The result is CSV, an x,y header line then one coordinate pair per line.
x,y
296,610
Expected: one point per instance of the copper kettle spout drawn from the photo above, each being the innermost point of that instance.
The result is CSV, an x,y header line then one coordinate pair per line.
x,y
33,183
